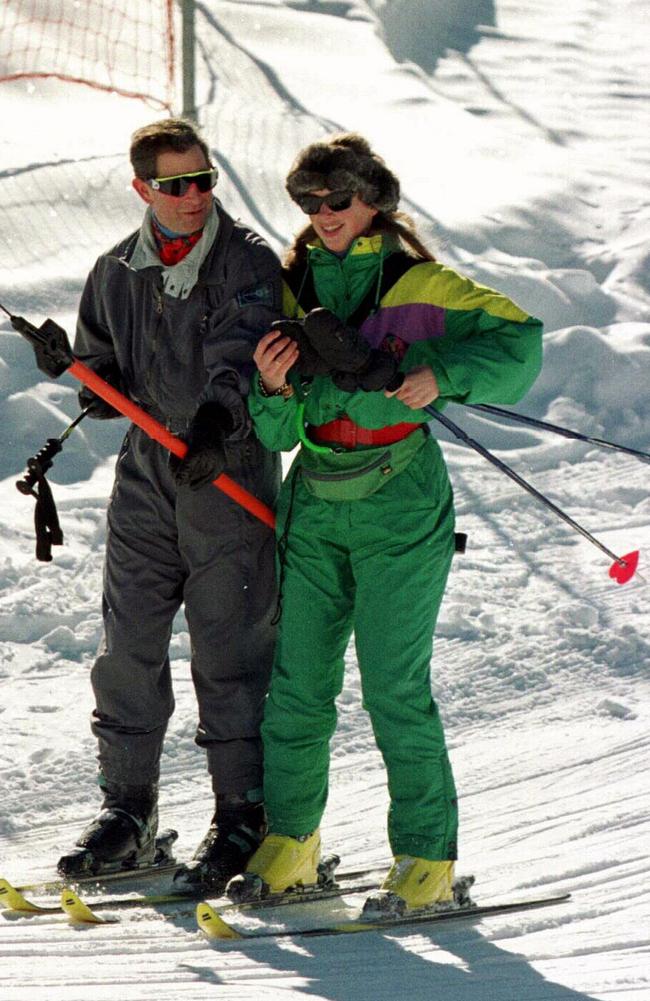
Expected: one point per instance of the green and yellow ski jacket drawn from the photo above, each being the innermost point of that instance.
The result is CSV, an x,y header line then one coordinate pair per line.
x,y
481,347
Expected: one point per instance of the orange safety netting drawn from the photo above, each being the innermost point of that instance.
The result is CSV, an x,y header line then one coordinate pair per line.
x,y
121,46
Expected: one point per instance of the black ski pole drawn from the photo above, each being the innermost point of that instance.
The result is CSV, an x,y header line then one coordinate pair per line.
x,y
487,408
623,567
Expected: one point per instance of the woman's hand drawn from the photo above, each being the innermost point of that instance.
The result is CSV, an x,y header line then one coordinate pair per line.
x,y
274,356
418,389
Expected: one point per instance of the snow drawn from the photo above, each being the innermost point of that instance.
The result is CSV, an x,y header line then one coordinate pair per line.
x,y
520,132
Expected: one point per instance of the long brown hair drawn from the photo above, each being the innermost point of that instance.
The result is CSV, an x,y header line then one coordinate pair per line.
x,y
398,224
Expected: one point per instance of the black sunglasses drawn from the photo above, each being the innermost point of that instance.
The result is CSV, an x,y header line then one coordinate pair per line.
x,y
179,184
337,201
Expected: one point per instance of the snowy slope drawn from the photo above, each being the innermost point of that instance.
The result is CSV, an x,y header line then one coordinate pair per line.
x,y
520,132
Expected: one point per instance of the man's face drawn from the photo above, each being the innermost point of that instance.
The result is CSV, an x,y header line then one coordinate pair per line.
x,y
189,212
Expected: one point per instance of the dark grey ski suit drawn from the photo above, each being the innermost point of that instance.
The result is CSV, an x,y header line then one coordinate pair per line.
x,y
166,544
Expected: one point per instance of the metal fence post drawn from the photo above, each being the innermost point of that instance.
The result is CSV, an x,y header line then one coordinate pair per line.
x,y
188,50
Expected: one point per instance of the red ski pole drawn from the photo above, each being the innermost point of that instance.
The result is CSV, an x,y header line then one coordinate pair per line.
x,y
54,356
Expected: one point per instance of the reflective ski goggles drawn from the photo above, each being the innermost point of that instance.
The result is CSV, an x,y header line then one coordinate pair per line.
x,y
337,201
179,184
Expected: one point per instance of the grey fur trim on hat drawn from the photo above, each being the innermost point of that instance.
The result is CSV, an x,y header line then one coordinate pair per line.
x,y
344,162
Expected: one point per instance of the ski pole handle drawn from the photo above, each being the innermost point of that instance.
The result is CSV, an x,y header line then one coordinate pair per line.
x,y
42,461
38,464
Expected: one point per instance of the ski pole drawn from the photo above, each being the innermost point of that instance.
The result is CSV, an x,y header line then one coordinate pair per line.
x,y
623,567
54,357
42,460
556,429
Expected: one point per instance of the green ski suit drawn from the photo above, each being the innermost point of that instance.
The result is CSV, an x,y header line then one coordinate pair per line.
x,y
373,555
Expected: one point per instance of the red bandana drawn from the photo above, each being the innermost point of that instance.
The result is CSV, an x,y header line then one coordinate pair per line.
x,y
173,249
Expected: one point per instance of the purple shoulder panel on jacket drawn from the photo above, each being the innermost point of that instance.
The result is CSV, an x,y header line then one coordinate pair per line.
x,y
411,322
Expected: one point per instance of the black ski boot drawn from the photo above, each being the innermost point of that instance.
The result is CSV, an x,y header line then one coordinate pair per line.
x,y
122,836
236,832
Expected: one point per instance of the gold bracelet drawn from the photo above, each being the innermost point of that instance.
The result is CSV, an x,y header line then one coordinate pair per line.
x,y
285,390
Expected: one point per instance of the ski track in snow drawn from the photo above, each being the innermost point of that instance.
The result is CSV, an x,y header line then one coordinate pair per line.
x,y
519,130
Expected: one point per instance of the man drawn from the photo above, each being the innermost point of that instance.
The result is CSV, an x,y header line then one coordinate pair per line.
x,y
171,316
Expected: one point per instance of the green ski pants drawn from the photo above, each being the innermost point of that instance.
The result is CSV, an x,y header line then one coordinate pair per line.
x,y
378,567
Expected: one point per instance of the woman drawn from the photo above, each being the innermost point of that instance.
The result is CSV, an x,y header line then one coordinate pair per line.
x,y
366,522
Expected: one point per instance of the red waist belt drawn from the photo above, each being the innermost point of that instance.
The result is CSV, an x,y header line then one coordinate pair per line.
x,y
345,432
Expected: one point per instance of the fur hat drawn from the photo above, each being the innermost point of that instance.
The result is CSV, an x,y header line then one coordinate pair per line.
x,y
344,162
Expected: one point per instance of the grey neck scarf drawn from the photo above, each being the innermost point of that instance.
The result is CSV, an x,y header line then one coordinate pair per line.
x,y
178,279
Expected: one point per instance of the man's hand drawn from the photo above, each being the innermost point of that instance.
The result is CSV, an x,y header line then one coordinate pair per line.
x,y
97,408
418,389
205,458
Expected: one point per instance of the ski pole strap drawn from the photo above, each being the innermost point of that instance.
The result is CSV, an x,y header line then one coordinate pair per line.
x,y
46,519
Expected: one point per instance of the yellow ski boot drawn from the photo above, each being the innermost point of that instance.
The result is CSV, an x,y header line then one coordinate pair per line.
x,y
413,884
280,862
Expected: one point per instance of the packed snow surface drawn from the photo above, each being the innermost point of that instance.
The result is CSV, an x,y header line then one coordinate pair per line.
x,y
520,131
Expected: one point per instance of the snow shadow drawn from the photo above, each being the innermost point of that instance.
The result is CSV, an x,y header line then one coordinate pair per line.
x,y
420,31
383,968
267,74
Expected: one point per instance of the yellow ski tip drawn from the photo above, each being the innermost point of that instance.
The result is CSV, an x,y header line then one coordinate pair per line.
x,y
213,925
350,927
78,911
12,899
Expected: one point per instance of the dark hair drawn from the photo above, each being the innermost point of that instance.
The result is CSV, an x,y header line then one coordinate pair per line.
x,y
171,134
398,224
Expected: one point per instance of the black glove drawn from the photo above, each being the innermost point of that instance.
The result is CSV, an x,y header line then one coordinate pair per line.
x,y
352,362
99,409
379,372
342,348
310,362
205,458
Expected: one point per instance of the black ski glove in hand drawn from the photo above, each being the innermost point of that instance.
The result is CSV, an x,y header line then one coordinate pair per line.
x,y
310,362
99,409
353,364
205,458
343,348
379,372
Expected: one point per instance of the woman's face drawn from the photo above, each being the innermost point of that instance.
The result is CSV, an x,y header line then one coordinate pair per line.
x,y
338,230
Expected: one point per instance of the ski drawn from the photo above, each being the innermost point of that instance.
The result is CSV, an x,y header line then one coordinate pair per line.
x,y
353,881
166,867
216,929
80,912
145,874
164,864
97,882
